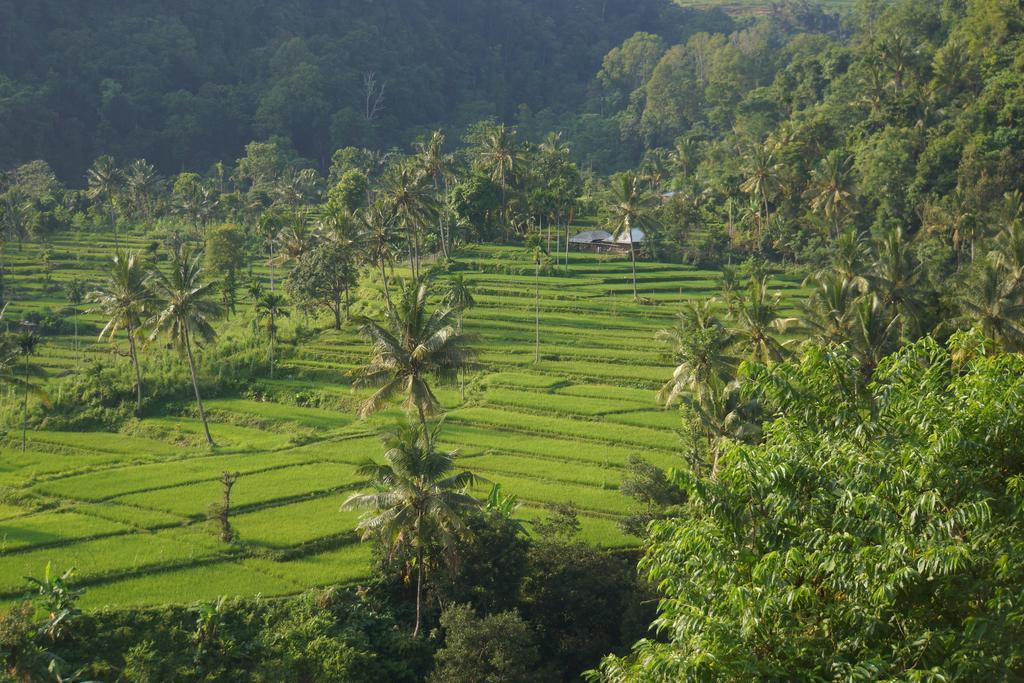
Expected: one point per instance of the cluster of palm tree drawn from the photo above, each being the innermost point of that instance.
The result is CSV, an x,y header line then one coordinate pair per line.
x,y
538,183
417,509
145,304
630,209
993,294
708,351
871,298
419,503
18,372
830,188
413,345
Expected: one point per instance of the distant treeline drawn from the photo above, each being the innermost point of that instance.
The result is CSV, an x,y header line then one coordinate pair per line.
x,y
185,83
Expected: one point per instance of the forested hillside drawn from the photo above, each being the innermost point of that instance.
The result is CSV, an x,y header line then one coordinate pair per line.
x,y
455,314
185,83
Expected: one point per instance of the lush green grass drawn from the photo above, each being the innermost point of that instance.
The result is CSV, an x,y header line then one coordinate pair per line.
x,y
129,510
251,489
52,528
191,584
110,556
297,523
592,430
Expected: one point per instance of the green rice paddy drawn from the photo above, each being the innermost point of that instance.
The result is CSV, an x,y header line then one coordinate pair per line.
x,y
128,511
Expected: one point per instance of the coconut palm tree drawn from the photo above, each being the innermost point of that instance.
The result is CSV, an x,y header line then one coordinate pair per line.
x,y
701,347
993,299
721,414
409,347
141,181
438,166
895,277
74,290
27,344
763,178
682,159
497,158
875,332
628,209
831,188
729,286
104,180
655,168
1008,247
295,188
270,307
897,52
409,195
189,307
535,247
295,238
125,300
831,309
269,226
379,241
458,296
758,321
419,504
953,217
850,257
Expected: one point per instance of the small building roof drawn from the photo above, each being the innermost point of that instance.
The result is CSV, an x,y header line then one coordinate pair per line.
x,y
590,237
638,236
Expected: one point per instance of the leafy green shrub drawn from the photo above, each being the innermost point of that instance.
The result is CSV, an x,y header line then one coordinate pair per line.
x,y
100,395
876,534
490,649
48,323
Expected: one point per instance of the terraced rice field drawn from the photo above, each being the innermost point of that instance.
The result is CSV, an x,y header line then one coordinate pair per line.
x,y
129,511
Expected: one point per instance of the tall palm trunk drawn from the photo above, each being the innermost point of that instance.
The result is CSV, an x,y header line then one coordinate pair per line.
x,y
536,306
387,289
632,258
134,353
273,339
195,387
419,580
764,223
462,370
113,222
443,221
423,424
272,267
24,408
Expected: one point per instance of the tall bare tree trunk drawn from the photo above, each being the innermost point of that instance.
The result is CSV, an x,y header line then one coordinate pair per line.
x,y
387,290
419,580
195,387
24,408
536,353
271,262
133,352
632,258
273,338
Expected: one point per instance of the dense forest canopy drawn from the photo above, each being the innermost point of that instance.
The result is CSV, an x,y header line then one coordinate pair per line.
x,y
187,83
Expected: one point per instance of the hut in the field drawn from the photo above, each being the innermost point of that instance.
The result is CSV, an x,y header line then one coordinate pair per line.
x,y
591,237
591,240
603,241
637,234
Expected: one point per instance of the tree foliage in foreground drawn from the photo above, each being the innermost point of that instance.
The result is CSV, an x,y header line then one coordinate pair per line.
x,y
875,534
